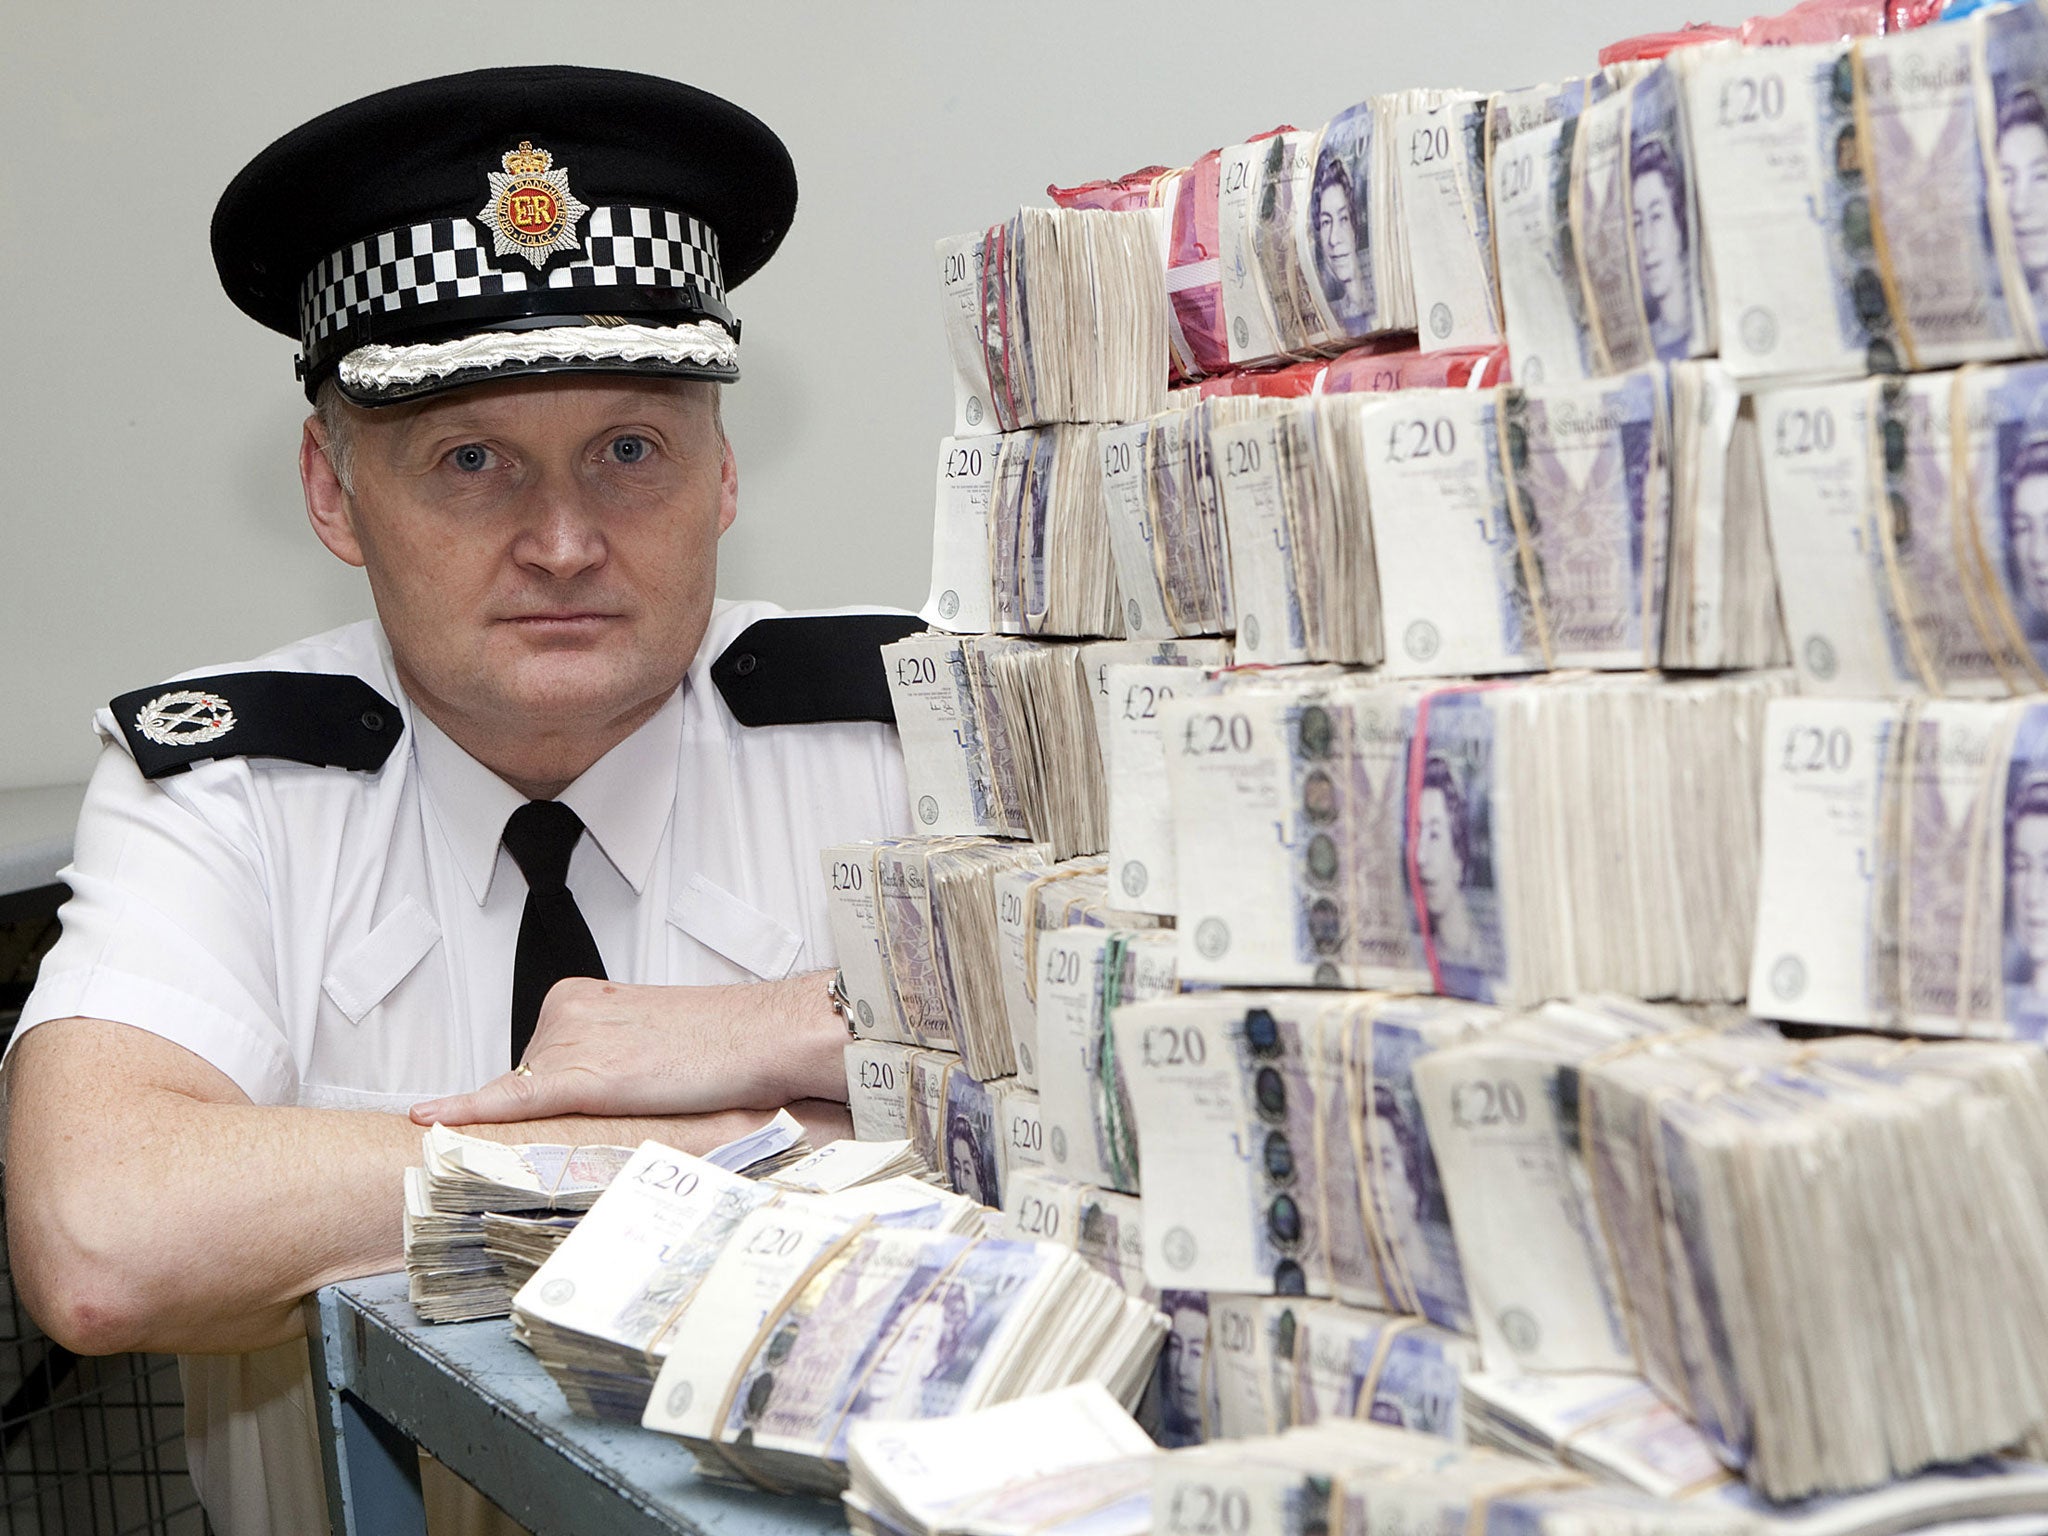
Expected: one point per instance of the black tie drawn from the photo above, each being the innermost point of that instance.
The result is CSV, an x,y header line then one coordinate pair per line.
x,y
554,941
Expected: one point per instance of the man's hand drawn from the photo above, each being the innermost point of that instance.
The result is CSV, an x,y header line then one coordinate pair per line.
x,y
605,1048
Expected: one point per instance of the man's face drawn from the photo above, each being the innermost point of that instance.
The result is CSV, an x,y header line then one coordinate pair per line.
x,y
543,552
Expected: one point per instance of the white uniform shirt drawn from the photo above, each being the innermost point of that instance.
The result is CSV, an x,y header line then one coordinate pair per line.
x,y
345,940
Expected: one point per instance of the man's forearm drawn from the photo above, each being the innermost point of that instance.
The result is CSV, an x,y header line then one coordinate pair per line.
x,y
796,1037
160,1218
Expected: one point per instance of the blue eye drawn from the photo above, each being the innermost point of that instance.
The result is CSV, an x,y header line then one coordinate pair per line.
x,y
630,449
471,458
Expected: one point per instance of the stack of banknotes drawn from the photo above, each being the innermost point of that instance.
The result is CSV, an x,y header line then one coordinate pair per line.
x,y
1345,1476
1873,205
1910,521
1612,522
476,1210
1067,1460
1020,545
1905,866
1104,1227
1857,201
1309,233
977,1134
1861,203
1003,737
1588,1188
451,1275
1558,716
1055,315
1595,227
939,938
1599,1188
1348,831
1164,506
519,1245
815,1314
996,738
936,907
604,1309
1362,1480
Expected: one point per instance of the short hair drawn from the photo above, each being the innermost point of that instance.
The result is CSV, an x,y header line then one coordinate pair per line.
x,y
2022,109
337,433
1652,158
1437,775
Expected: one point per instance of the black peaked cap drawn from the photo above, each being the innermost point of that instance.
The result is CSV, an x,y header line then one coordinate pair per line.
x,y
422,151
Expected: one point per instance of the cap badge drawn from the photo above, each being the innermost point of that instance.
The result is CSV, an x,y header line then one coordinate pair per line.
x,y
532,212
185,718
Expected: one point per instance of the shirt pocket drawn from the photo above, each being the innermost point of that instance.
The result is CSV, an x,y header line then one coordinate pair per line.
x,y
363,975
744,935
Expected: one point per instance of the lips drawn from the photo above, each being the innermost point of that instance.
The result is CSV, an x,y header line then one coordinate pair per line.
x,y
567,614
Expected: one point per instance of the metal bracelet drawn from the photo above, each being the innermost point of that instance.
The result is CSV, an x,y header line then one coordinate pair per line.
x,y
842,1004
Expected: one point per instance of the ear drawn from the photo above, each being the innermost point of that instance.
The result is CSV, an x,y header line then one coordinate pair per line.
x,y
728,488
326,501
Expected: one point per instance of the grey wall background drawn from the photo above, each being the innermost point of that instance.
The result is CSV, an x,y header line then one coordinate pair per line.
x,y
149,498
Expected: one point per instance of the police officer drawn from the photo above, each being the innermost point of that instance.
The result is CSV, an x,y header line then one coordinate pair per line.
x,y
556,803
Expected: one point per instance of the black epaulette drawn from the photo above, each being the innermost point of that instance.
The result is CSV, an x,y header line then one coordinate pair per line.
x,y
331,720
809,670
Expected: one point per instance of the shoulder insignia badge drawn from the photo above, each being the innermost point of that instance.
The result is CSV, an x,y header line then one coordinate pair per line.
x,y
330,720
185,718
811,669
532,212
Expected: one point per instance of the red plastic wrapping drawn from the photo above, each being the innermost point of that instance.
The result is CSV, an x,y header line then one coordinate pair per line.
x,y
1816,21
1654,45
1116,194
1194,276
1387,363
1455,368
1286,382
1905,15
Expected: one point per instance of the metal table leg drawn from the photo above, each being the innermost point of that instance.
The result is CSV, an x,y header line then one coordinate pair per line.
x,y
372,1467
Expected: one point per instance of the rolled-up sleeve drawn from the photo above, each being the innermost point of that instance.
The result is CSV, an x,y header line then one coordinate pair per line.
x,y
169,926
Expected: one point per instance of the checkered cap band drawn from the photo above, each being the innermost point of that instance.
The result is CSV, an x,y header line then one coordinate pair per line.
x,y
445,259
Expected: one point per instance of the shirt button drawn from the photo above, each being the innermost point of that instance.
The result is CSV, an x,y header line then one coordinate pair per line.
x,y
746,664
372,721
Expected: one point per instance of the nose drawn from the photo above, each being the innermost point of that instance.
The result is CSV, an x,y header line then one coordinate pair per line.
x,y
562,534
